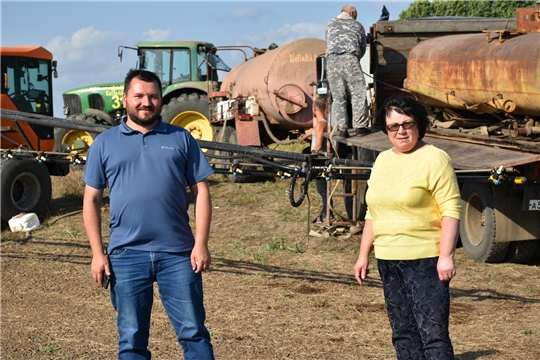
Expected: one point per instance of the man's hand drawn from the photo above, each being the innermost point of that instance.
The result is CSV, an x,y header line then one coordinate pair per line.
x,y
92,224
100,266
200,258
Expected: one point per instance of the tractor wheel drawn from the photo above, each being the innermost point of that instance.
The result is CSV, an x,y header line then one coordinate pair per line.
x,y
26,187
478,225
74,141
520,252
190,111
101,115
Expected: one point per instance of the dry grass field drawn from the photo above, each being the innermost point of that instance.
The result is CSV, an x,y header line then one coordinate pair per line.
x,y
264,298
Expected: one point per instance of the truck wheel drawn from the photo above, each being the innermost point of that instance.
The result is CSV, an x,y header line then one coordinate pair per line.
x,y
26,187
74,141
238,178
477,227
223,135
190,111
535,259
228,136
520,252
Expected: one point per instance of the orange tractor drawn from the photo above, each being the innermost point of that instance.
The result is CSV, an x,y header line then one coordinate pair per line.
x,y
26,87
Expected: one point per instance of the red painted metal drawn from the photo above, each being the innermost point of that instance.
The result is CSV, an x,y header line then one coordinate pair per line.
x,y
282,80
478,72
247,132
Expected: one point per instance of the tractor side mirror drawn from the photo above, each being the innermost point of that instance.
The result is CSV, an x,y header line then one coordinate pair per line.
x,y
322,84
54,71
120,53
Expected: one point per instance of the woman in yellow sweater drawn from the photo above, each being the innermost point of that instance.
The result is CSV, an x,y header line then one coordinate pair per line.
x,y
412,224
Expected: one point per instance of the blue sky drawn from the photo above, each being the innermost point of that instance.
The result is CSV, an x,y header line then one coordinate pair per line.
x,y
84,36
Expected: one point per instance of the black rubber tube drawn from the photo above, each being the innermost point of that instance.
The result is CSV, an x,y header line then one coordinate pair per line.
x,y
297,203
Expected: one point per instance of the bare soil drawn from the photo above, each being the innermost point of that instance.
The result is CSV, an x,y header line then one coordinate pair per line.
x,y
264,298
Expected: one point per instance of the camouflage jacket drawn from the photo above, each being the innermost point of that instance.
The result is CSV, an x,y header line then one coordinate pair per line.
x,y
345,35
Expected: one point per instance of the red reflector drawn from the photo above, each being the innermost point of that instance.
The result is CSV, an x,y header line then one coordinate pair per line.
x,y
244,117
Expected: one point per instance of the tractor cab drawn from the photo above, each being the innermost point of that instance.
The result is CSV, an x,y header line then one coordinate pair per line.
x,y
26,86
181,62
27,78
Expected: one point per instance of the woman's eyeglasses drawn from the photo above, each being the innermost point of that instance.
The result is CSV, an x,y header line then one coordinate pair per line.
x,y
406,125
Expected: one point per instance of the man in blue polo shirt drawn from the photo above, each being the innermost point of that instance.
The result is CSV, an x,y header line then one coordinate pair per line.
x,y
146,164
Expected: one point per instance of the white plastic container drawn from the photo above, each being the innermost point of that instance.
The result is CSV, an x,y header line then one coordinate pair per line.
x,y
252,108
23,222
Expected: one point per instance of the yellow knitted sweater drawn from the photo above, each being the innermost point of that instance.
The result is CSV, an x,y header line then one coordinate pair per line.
x,y
407,197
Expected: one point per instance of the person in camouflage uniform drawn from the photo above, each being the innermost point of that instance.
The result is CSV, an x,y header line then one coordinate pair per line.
x,y
345,46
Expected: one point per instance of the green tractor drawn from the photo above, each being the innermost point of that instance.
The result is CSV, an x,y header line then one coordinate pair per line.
x,y
188,71
96,104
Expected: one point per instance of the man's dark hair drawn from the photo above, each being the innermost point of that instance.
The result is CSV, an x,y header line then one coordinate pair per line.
x,y
405,105
146,76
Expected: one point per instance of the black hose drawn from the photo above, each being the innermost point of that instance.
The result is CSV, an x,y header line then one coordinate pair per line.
x,y
306,179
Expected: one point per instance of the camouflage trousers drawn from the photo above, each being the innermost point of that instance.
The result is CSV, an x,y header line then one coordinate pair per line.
x,y
346,82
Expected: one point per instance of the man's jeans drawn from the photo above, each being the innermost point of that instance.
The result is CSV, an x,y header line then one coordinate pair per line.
x,y
132,276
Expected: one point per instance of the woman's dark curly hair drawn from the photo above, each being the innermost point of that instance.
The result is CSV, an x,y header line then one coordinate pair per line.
x,y
405,105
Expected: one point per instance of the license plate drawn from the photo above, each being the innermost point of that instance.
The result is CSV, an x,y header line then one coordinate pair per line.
x,y
534,205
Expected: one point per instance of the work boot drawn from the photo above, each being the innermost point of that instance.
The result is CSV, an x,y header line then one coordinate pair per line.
x,y
344,133
362,131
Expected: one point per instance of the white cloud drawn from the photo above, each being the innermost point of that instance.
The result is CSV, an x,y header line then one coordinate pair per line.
x,y
89,57
89,37
86,45
156,35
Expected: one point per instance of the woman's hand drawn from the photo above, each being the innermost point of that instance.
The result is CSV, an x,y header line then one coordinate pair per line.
x,y
446,268
361,270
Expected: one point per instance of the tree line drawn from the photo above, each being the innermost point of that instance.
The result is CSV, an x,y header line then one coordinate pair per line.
x,y
468,8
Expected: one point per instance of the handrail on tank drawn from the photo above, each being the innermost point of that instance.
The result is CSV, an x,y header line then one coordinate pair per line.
x,y
238,48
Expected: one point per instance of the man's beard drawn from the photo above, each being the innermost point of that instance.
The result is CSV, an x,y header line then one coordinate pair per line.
x,y
149,120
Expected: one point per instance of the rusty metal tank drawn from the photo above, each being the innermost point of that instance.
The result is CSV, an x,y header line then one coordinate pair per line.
x,y
282,80
483,73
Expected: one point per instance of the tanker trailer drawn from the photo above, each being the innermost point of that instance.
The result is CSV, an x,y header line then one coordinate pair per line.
x,y
493,73
484,91
269,95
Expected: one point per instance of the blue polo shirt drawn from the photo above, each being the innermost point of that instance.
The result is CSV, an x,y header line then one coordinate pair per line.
x,y
147,175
